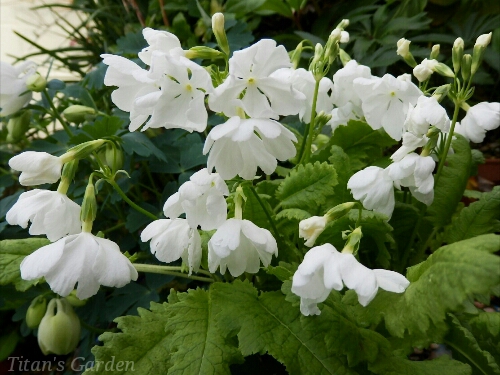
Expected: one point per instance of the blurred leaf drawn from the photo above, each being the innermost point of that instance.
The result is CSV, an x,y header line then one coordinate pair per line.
x,y
131,43
136,142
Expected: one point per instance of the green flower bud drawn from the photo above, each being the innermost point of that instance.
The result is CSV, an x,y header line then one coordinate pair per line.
x,y
36,83
78,113
344,57
340,210
201,52
435,51
404,51
478,51
466,69
67,175
220,32
444,70
353,240
17,126
82,150
89,208
343,24
296,54
112,156
457,53
74,300
36,311
441,92
59,330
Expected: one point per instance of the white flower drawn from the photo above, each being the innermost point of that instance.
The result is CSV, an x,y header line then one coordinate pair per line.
x,y
308,281
133,82
160,42
425,113
344,37
385,102
181,101
311,228
483,40
174,239
374,188
202,199
250,71
80,258
50,213
324,269
423,71
37,167
13,95
238,245
403,47
235,148
479,119
343,91
410,143
342,115
415,172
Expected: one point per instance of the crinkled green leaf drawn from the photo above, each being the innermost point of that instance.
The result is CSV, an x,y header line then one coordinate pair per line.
x,y
254,211
402,366
284,271
450,187
307,186
140,144
485,327
441,284
340,160
465,348
143,341
478,218
293,214
12,253
267,323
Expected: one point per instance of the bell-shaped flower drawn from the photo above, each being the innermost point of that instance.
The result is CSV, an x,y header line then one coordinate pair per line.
x,y
160,42
50,212
133,82
38,167
415,172
202,199
174,239
59,330
240,146
240,246
479,119
410,143
425,113
250,73
311,228
13,89
374,188
80,258
324,269
181,101
385,102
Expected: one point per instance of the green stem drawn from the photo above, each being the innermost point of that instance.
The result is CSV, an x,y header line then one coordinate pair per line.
x,y
447,145
117,226
55,113
173,271
268,215
131,204
309,137
417,258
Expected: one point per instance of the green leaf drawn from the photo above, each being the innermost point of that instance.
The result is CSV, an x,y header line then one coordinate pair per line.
x,y
486,329
404,219
307,186
267,323
131,43
284,271
450,187
293,214
242,7
440,366
466,349
361,143
478,218
138,143
253,210
441,284
142,343
340,160
276,6
8,344
12,253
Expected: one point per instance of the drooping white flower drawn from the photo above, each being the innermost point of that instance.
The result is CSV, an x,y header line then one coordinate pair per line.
x,y
415,172
50,212
343,85
133,82
374,188
479,119
181,101
311,228
13,95
385,102
235,148
424,70
324,269
160,42
240,246
342,115
425,113
174,239
410,143
80,258
202,199
37,167
250,71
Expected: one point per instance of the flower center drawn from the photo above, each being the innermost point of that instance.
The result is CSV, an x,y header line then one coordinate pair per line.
x,y
251,81
189,87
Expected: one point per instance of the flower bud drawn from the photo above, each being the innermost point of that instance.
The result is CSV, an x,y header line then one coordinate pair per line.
x,y
424,70
59,332
456,53
73,300
67,175
36,311
112,157
353,240
435,51
344,57
201,52
344,37
478,51
444,70
36,83
296,54
441,92
89,208
340,210
336,35
78,113
483,40
466,66
83,150
220,32
404,51
310,229
17,126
